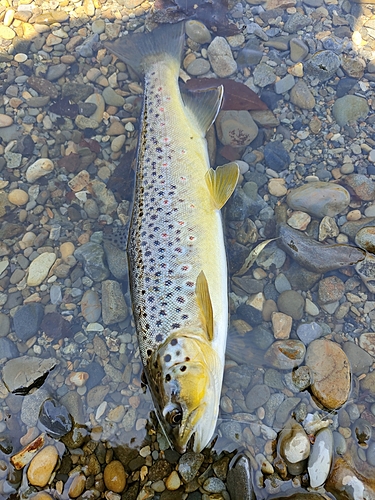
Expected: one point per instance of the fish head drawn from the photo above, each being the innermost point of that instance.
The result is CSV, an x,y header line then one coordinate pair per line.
x,y
185,382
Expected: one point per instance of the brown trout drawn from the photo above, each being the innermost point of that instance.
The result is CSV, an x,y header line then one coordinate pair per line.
x,y
177,261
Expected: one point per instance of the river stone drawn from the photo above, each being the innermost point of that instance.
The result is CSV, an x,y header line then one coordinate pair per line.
x,y
322,65
54,419
320,459
301,96
92,256
27,320
285,354
360,360
21,374
236,128
264,75
362,185
90,306
197,32
221,57
8,349
117,260
330,373
41,466
293,443
314,256
39,268
331,289
366,270
276,156
319,199
112,98
291,303
349,109
257,396
189,464
114,476
307,332
114,308
365,238
367,342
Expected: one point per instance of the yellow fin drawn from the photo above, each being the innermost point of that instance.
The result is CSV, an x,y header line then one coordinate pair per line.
x,y
204,302
222,182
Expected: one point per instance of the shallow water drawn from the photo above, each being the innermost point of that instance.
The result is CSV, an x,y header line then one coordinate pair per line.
x,y
97,377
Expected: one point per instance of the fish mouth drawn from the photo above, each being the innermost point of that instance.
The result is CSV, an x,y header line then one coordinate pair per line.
x,y
191,437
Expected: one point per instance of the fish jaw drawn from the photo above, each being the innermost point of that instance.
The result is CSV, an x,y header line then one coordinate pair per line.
x,y
185,376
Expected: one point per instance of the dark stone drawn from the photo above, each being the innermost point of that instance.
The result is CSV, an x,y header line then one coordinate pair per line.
x,y
56,326
345,85
250,314
159,470
96,374
270,98
237,254
54,419
276,157
27,320
261,337
25,145
77,91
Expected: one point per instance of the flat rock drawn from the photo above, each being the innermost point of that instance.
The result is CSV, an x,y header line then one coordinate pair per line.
x,y
285,354
349,109
236,128
360,360
20,374
323,65
39,268
320,459
301,96
114,308
319,199
92,256
330,373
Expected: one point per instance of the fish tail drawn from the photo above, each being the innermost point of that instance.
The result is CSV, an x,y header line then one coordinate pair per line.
x,y
142,49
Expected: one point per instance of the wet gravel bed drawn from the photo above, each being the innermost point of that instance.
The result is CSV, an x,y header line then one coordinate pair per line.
x,y
300,376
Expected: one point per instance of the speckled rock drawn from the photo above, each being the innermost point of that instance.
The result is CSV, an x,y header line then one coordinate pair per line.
x,y
365,238
330,373
323,65
319,199
291,303
90,306
114,308
189,464
301,96
221,57
362,185
236,128
331,289
264,75
39,169
92,256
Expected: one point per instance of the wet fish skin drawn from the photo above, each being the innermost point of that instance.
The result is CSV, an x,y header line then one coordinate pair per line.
x,y
178,272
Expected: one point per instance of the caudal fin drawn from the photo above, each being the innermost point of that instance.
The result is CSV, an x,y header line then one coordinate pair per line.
x,y
142,49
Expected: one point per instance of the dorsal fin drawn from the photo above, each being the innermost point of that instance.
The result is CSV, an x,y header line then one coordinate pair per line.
x,y
204,302
204,106
222,182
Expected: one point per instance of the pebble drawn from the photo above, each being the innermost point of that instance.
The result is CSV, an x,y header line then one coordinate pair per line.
x,y
362,185
236,128
320,460
173,481
27,320
301,96
18,197
90,306
189,464
319,199
221,58
330,373
285,354
112,98
77,486
307,332
41,466
291,303
293,443
39,268
349,109
92,256
5,120
281,325
114,476
331,289
197,32
39,169
114,308
323,65
276,157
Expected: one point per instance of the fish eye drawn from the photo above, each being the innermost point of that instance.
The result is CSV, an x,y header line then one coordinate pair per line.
x,y
174,417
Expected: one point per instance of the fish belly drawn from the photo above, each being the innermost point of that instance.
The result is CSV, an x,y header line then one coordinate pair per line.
x,y
176,232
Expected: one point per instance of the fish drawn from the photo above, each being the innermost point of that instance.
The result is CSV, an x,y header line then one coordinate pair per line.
x,y
176,251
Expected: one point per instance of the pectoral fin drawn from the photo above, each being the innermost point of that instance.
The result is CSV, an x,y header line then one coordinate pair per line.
x,y
204,302
222,182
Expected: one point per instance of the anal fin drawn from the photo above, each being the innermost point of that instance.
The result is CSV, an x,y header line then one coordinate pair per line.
x,y
222,182
205,304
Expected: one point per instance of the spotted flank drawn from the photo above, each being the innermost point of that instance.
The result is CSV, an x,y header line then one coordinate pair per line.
x,y
178,272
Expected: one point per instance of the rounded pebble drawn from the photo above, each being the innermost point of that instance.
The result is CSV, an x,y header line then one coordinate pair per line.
x,y
42,465
115,476
18,197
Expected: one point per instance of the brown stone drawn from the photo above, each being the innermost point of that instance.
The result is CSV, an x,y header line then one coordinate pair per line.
x,y
115,476
330,370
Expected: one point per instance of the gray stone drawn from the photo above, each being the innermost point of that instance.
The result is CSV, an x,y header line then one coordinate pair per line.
x,y
198,67
284,84
197,32
56,71
27,320
112,98
307,332
296,22
236,128
114,308
301,96
189,465
291,303
20,374
257,396
13,159
298,50
349,109
90,306
8,349
31,405
4,325
92,256
221,57
264,75
285,409
319,199
322,65
360,360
